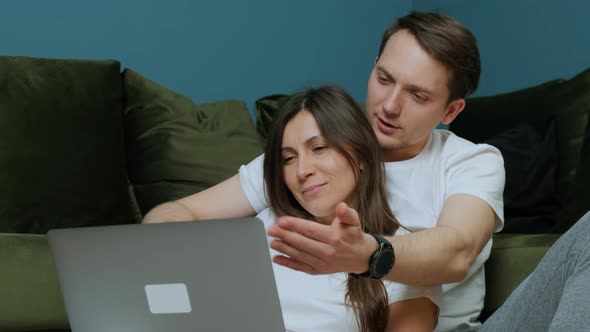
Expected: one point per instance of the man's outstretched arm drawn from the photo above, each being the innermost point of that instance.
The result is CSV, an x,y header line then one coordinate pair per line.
x,y
224,200
445,253
434,256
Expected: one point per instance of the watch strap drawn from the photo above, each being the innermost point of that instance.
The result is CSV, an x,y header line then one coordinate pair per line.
x,y
382,244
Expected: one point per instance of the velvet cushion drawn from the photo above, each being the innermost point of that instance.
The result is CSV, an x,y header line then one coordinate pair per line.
x,y
578,200
61,135
567,101
265,110
30,294
531,201
175,147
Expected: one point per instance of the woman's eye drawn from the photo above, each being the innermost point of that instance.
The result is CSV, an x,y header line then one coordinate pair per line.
x,y
288,160
319,148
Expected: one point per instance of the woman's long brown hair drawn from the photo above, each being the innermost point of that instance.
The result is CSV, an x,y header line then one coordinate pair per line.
x,y
345,127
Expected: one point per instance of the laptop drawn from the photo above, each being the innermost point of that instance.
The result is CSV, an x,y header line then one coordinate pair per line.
x,y
211,275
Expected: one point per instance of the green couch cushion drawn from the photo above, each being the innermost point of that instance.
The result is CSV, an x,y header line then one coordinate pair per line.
x,y
531,159
61,136
578,200
265,111
567,101
513,258
175,147
30,294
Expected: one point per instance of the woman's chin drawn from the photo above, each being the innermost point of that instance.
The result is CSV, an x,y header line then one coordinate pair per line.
x,y
321,211
324,218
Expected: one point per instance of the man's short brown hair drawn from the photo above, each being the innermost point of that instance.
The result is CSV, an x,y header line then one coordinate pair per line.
x,y
447,41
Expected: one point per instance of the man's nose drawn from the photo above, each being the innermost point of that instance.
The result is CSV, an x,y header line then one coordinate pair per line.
x,y
392,105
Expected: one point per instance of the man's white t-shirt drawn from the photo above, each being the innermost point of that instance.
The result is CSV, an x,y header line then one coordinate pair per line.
x,y
317,302
418,188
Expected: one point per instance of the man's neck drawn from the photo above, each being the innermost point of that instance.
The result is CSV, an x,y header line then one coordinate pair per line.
x,y
402,154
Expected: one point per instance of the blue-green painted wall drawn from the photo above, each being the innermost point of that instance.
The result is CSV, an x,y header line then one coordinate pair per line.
x,y
523,42
210,49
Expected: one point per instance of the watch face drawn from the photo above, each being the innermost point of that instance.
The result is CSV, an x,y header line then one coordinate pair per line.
x,y
384,263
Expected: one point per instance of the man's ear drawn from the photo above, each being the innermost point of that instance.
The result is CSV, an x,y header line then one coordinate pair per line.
x,y
453,109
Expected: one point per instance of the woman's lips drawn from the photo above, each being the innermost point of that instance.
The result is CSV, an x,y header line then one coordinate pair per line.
x,y
312,190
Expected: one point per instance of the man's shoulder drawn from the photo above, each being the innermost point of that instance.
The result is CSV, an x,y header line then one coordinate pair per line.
x,y
447,139
452,147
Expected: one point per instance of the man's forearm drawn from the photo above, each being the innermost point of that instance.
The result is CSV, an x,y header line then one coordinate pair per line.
x,y
445,253
170,211
439,255
433,256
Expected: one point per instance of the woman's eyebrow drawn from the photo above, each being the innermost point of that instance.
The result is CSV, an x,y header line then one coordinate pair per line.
x,y
308,142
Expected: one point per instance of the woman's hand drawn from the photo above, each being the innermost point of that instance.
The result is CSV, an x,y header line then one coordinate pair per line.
x,y
316,248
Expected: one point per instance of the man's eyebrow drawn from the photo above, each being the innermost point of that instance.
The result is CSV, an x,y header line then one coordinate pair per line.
x,y
410,87
384,71
308,142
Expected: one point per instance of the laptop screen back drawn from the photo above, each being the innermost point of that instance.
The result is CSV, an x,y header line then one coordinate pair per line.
x,y
188,276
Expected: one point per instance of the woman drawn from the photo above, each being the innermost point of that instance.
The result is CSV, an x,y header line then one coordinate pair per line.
x,y
321,152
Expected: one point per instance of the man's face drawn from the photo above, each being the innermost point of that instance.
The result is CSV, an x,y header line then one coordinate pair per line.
x,y
407,97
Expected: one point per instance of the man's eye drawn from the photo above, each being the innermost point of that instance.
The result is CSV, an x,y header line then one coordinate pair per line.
x,y
419,98
382,79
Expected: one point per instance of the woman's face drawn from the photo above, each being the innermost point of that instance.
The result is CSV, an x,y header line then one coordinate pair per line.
x,y
318,176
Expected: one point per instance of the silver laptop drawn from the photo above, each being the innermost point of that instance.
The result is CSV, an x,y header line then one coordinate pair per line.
x,y
188,276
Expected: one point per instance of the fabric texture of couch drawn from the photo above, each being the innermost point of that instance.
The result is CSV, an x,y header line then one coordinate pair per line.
x,y
543,133
86,144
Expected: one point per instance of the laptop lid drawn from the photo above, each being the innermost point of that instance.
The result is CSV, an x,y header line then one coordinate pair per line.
x,y
187,276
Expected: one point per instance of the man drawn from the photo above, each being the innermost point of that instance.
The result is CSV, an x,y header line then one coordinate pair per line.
x,y
445,189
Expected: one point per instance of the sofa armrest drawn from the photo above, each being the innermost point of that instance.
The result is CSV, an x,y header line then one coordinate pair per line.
x,y
30,297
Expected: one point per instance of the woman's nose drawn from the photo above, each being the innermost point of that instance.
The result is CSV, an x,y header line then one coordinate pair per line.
x,y
305,168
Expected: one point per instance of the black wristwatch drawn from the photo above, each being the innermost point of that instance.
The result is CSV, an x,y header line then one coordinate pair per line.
x,y
381,261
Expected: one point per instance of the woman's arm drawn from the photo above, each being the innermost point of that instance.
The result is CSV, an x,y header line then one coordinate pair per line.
x,y
413,315
224,200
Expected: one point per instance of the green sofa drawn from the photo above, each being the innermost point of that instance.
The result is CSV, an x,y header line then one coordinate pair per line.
x,y
84,143
543,132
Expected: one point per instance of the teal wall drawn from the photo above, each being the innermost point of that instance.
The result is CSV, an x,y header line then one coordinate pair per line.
x,y
210,49
523,42
217,49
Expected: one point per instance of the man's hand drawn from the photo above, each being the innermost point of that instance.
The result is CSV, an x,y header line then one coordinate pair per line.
x,y
316,248
434,256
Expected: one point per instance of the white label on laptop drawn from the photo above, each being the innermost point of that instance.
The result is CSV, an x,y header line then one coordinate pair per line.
x,y
168,298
